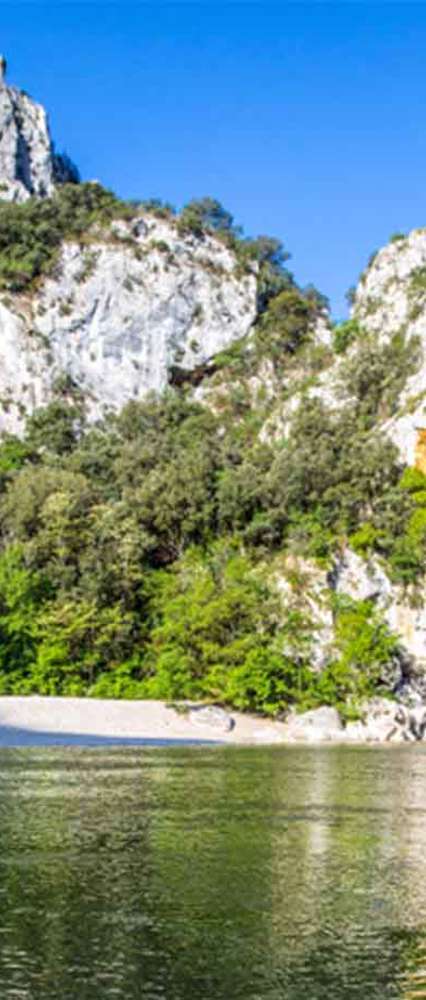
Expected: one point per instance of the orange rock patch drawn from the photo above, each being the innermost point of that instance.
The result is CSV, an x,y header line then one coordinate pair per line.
x,y
420,453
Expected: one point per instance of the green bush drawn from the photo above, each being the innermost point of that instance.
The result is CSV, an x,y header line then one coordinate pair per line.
x,y
206,215
130,551
376,374
344,334
31,233
400,527
284,326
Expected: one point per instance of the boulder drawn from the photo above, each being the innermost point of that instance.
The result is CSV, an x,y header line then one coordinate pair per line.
x,y
211,716
319,725
417,721
382,721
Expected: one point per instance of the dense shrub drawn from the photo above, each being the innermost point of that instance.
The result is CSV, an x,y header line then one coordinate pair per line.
x,y
102,590
130,551
31,233
375,374
284,326
344,334
206,214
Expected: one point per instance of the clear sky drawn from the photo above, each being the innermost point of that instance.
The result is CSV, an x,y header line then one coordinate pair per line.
x,y
307,120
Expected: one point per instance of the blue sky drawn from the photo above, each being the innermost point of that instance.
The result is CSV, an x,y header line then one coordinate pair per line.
x,y
307,120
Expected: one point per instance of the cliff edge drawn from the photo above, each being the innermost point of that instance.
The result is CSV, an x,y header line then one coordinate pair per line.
x,y
29,165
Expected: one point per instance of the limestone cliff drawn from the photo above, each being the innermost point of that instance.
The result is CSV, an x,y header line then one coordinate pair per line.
x,y
29,165
132,307
121,316
138,302
389,307
391,300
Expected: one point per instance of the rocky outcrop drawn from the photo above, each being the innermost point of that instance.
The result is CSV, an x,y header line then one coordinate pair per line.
x,y
210,715
29,165
320,725
391,300
390,304
391,295
366,580
307,587
136,306
381,721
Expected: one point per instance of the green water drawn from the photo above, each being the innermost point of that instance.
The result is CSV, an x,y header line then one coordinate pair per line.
x,y
211,873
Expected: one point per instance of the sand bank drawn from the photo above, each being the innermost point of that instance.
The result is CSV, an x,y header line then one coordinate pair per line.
x,y
46,721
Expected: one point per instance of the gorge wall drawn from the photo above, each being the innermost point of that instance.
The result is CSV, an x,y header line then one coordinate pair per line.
x,y
136,302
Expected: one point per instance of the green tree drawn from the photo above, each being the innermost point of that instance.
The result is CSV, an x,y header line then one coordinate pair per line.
x,y
22,593
218,633
206,215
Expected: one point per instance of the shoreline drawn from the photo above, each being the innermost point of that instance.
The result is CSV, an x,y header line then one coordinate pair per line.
x,y
41,720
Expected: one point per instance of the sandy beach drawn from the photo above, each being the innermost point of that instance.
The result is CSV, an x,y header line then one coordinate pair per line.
x,y
46,721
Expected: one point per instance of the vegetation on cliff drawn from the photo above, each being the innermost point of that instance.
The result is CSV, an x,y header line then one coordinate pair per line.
x,y
135,554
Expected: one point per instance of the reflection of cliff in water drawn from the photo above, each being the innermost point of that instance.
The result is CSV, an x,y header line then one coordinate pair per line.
x,y
125,875
360,813
351,892
209,874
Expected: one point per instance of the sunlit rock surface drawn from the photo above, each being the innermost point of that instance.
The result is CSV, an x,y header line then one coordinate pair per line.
x,y
391,301
121,317
29,165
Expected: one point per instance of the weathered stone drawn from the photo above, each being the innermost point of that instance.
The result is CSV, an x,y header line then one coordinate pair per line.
x,y
29,165
212,716
417,721
121,319
140,307
389,300
360,579
316,726
387,721
382,721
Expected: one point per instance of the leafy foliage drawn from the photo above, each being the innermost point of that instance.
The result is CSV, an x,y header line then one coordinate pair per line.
x,y
130,551
344,335
31,233
134,553
206,214
375,374
284,326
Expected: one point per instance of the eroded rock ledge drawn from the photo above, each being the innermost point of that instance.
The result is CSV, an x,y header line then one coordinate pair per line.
x,y
381,721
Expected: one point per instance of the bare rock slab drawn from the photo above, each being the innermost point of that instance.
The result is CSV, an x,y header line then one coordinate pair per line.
x,y
212,716
320,725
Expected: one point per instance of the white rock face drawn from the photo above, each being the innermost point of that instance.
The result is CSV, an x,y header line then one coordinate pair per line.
x,y
361,580
385,299
364,580
319,725
120,316
409,622
391,298
381,721
28,164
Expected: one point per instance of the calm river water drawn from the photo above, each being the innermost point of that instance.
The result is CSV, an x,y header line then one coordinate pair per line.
x,y
213,874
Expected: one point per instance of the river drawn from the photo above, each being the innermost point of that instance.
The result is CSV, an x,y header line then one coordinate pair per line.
x,y
213,873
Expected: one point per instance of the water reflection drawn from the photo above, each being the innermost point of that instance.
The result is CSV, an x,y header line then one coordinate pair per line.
x,y
206,874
